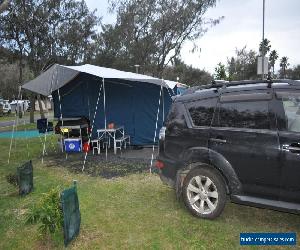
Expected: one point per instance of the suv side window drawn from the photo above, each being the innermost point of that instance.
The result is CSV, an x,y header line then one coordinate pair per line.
x,y
202,111
175,118
291,106
245,114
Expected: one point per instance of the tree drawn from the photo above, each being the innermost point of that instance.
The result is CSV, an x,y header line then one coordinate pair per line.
x,y
220,72
47,29
243,65
44,31
231,67
186,74
9,79
3,5
272,59
293,73
151,33
283,65
264,47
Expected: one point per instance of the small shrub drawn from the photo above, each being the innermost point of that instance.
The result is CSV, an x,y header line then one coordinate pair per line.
x,y
47,212
12,179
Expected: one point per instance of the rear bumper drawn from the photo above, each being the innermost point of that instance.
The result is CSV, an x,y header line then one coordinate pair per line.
x,y
168,172
168,181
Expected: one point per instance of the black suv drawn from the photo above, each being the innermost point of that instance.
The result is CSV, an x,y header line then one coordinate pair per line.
x,y
239,140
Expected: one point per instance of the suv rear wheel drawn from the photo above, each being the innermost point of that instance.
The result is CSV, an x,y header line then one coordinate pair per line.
x,y
204,193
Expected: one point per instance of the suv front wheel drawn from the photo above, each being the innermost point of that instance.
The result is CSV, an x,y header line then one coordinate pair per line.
x,y
204,193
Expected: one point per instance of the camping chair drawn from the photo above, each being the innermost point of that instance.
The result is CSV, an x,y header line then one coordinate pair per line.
x,y
96,146
126,140
122,140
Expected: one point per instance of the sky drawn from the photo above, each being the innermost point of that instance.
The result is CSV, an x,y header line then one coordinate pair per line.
x,y
242,26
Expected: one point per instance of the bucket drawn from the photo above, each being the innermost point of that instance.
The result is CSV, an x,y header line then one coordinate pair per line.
x,y
86,147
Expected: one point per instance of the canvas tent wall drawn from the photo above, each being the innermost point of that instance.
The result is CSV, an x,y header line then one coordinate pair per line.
x,y
131,99
129,103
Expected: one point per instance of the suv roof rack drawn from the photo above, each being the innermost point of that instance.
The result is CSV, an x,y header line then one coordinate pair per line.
x,y
223,84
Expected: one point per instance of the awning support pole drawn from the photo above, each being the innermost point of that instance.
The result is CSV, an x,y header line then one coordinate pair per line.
x,y
104,104
45,135
13,130
93,122
163,104
156,125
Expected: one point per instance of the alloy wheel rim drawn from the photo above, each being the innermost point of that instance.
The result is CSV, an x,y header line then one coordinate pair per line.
x,y
202,194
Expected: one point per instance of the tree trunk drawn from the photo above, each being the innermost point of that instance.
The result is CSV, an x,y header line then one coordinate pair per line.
x,y
160,71
41,107
32,107
21,70
37,71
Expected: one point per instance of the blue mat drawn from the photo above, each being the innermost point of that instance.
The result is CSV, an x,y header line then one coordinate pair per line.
x,y
21,134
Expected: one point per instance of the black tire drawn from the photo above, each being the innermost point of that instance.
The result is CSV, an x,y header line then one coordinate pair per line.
x,y
205,200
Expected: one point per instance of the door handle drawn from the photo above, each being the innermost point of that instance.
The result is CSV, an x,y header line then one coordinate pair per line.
x,y
217,140
293,148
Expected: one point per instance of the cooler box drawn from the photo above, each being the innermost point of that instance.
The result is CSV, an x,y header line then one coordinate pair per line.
x,y
72,144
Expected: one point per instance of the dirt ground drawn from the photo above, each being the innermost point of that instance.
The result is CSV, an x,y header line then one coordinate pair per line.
x,y
123,163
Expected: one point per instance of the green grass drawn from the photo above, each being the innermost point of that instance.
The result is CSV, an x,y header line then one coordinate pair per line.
x,y
12,116
7,117
19,127
131,212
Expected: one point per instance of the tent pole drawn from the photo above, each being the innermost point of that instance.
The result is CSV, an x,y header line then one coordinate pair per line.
x,y
163,104
156,125
93,123
104,104
14,127
45,135
61,117
88,99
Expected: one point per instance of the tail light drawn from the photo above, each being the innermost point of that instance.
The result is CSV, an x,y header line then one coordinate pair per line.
x,y
159,164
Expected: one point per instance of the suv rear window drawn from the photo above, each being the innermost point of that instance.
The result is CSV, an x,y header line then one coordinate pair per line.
x,y
248,114
202,111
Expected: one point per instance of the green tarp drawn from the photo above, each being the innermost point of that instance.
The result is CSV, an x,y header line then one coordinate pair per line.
x,y
71,213
25,178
